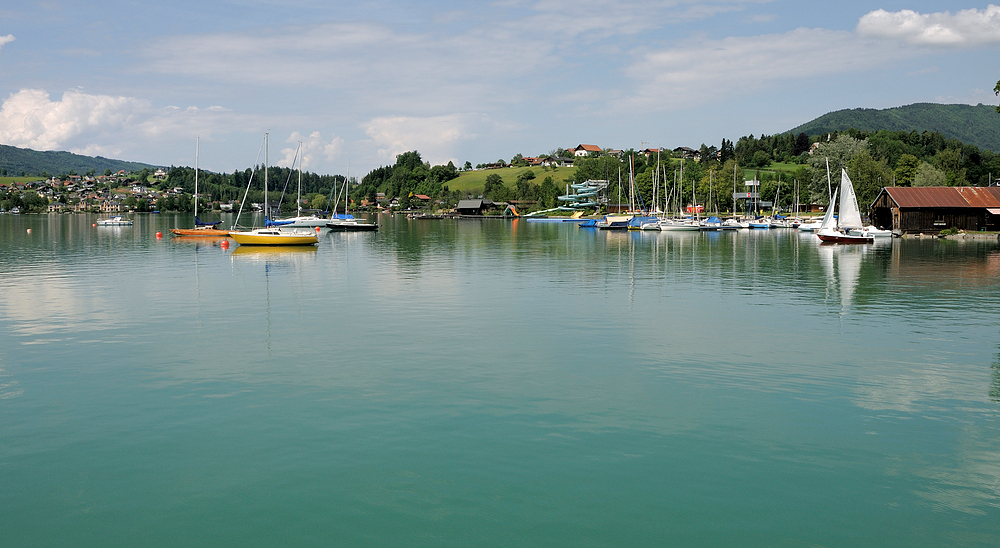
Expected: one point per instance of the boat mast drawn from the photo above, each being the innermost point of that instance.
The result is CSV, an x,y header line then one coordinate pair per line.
x,y
735,165
666,197
710,174
197,149
694,198
631,186
829,187
298,196
619,189
267,206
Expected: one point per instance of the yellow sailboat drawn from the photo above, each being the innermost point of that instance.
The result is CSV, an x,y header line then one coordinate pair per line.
x,y
270,235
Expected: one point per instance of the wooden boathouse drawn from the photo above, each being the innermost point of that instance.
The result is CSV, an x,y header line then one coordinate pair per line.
x,y
914,210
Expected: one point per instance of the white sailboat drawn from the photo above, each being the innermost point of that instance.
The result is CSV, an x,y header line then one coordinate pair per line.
x,y
347,222
847,227
299,221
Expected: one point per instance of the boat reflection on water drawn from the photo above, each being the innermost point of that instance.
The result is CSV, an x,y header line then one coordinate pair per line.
x,y
273,254
842,265
199,241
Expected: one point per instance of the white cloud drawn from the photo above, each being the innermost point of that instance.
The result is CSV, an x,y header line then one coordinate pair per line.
x,y
434,137
969,27
28,118
711,70
312,146
6,40
110,126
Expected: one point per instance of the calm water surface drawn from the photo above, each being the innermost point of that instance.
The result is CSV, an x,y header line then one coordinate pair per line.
x,y
489,383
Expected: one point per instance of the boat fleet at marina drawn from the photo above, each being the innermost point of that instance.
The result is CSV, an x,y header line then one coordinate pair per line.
x,y
843,227
294,231
842,222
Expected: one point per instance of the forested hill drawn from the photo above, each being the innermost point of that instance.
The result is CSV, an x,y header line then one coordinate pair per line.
x,y
975,125
17,161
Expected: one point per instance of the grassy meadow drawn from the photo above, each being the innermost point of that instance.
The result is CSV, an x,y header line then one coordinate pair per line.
x,y
470,180
11,180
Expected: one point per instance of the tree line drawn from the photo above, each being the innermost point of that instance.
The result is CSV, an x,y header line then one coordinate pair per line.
x,y
785,165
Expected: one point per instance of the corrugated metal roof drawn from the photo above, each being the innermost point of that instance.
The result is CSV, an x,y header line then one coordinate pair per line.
x,y
945,196
980,196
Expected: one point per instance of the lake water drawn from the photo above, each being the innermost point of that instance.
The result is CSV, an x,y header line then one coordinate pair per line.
x,y
495,383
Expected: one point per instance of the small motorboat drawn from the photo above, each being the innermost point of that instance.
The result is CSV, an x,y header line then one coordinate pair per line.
x,y
116,220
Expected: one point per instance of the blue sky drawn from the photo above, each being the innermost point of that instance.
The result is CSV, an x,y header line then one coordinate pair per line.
x,y
359,82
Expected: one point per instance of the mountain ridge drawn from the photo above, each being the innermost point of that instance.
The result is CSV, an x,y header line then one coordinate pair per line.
x,y
15,161
977,125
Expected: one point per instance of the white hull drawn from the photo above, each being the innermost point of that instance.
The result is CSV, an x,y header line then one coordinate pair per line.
x,y
306,221
115,221
679,226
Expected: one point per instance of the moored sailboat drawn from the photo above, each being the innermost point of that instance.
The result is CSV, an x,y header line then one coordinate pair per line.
x,y
300,220
201,228
846,227
346,222
270,235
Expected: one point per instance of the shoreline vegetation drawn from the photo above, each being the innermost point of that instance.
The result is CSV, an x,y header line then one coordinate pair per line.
x,y
791,171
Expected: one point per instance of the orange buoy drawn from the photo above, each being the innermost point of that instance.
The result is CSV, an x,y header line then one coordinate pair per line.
x,y
317,229
224,244
159,235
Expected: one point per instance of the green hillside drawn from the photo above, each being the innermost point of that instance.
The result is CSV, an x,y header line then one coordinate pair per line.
x,y
15,161
975,125
475,180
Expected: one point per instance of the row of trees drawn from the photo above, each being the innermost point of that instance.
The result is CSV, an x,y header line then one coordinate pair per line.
x,y
28,202
228,187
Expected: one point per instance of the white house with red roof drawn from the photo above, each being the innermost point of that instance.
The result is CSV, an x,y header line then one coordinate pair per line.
x,y
585,150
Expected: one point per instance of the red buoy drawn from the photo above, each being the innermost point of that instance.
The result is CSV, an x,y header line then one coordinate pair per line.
x,y
317,229
159,235
95,224
224,244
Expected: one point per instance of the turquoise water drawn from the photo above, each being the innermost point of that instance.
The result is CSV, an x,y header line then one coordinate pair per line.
x,y
489,383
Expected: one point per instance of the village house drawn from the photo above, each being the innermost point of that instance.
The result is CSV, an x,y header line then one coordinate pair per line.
x,y
584,150
687,153
112,206
557,162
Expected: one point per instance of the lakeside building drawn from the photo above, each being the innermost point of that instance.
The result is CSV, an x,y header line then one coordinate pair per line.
x,y
912,210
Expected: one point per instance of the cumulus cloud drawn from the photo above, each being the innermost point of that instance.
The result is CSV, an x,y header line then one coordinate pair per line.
x,y
435,137
6,40
709,70
971,27
29,118
313,146
110,126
